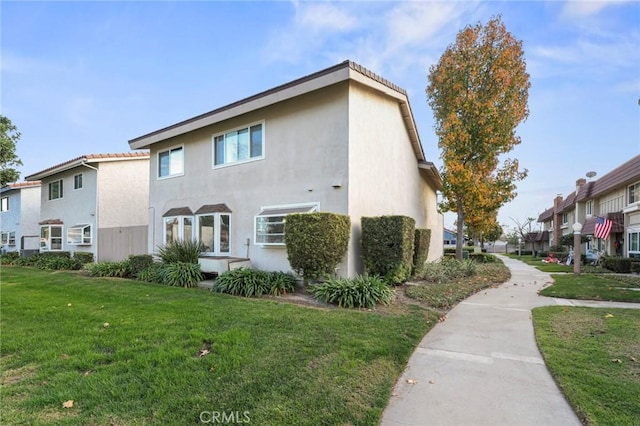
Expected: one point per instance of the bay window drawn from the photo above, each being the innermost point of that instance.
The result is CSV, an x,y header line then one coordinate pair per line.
x,y
178,228
51,238
269,223
79,235
213,231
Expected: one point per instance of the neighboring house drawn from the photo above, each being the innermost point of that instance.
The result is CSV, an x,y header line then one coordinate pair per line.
x,y
96,203
615,197
341,140
19,216
450,238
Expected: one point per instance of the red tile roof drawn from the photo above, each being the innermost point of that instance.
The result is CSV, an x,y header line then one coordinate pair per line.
x,y
91,158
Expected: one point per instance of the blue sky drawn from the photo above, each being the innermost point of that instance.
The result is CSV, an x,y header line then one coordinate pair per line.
x,y
85,77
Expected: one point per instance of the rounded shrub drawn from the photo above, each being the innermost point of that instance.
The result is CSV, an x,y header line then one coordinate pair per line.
x,y
360,292
316,242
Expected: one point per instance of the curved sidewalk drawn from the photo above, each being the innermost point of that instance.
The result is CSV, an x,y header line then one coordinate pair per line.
x,y
482,366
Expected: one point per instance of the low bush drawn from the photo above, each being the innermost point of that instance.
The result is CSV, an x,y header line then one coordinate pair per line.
x,y
152,273
483,257
57,262
83,256
635,267
108,269
181,274
359,292
621,265
252,283
448,269
185,251
138,263
9,257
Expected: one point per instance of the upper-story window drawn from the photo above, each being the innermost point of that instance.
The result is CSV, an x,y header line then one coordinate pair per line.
x,y
55,190
589,208
77,181
634,193
565,218
239,145
171,162
4,204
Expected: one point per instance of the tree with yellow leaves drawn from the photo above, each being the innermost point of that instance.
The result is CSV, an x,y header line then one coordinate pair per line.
x,y
478,92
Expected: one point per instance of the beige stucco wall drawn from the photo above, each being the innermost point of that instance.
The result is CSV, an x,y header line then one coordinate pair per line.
x,y
124,193
384,178
305,152
344,147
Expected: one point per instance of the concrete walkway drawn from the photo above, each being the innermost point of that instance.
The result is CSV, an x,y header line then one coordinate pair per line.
x,y
482,366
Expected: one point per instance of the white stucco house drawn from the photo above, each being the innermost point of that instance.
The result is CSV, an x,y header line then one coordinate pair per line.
x,y
340,140
19,216
95,203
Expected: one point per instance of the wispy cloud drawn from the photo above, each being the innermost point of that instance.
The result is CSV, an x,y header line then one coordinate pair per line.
x,y
575,9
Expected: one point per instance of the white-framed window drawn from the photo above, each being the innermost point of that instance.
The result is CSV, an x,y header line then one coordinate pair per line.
x,y
565,218
77,181
7,238
633,245
79,235
589,208
213,230
269,223
239,145
55,190
178,228
171,162
51,238
4,204
633,193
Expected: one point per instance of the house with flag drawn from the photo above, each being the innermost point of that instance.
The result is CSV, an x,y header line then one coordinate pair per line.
x,y
608,208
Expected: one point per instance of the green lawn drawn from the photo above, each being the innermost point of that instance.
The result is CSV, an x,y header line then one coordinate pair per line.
x,y
594,355
595,287
128,353
540,265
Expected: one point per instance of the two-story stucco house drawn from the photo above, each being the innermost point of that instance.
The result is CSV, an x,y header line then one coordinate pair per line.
x,y
615,197
95,203
340,140
19,216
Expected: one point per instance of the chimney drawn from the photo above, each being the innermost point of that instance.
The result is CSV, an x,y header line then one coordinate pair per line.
x,y
557,203
579,183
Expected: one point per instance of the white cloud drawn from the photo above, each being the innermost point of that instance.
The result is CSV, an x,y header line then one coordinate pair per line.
x,y
577,9
321,17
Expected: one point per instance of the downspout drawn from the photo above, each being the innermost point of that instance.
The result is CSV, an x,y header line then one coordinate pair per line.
x,y
96,214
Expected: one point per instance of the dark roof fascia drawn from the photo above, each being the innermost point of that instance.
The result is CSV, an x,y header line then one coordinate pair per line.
x,y
625,174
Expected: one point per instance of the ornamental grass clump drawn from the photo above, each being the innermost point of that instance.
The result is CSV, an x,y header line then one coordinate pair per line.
x,y
181,274
360,292
253,283
187,251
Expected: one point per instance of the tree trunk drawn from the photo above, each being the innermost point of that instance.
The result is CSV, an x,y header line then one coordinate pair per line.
x,y
460,238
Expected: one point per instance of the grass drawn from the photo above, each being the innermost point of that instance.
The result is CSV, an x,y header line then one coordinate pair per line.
x,y
594,355
445,295
594,287
540,265
127,352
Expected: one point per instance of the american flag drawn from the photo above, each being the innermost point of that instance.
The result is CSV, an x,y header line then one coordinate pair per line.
x,y
603,228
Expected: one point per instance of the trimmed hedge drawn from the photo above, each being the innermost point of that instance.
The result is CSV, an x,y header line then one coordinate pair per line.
x,y
83,256
387,247
483,257
621,265
421,248
635,267
316,242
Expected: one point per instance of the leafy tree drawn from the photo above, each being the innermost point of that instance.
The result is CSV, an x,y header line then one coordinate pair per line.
x,y
9,137
494,232
478,92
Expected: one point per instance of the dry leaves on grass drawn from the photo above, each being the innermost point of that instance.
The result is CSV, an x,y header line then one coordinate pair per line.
x,y
68,404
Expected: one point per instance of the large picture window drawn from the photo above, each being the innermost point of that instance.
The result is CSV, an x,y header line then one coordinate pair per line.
x,y
238,145
51,238
55,190
269,223
79,235
171,162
